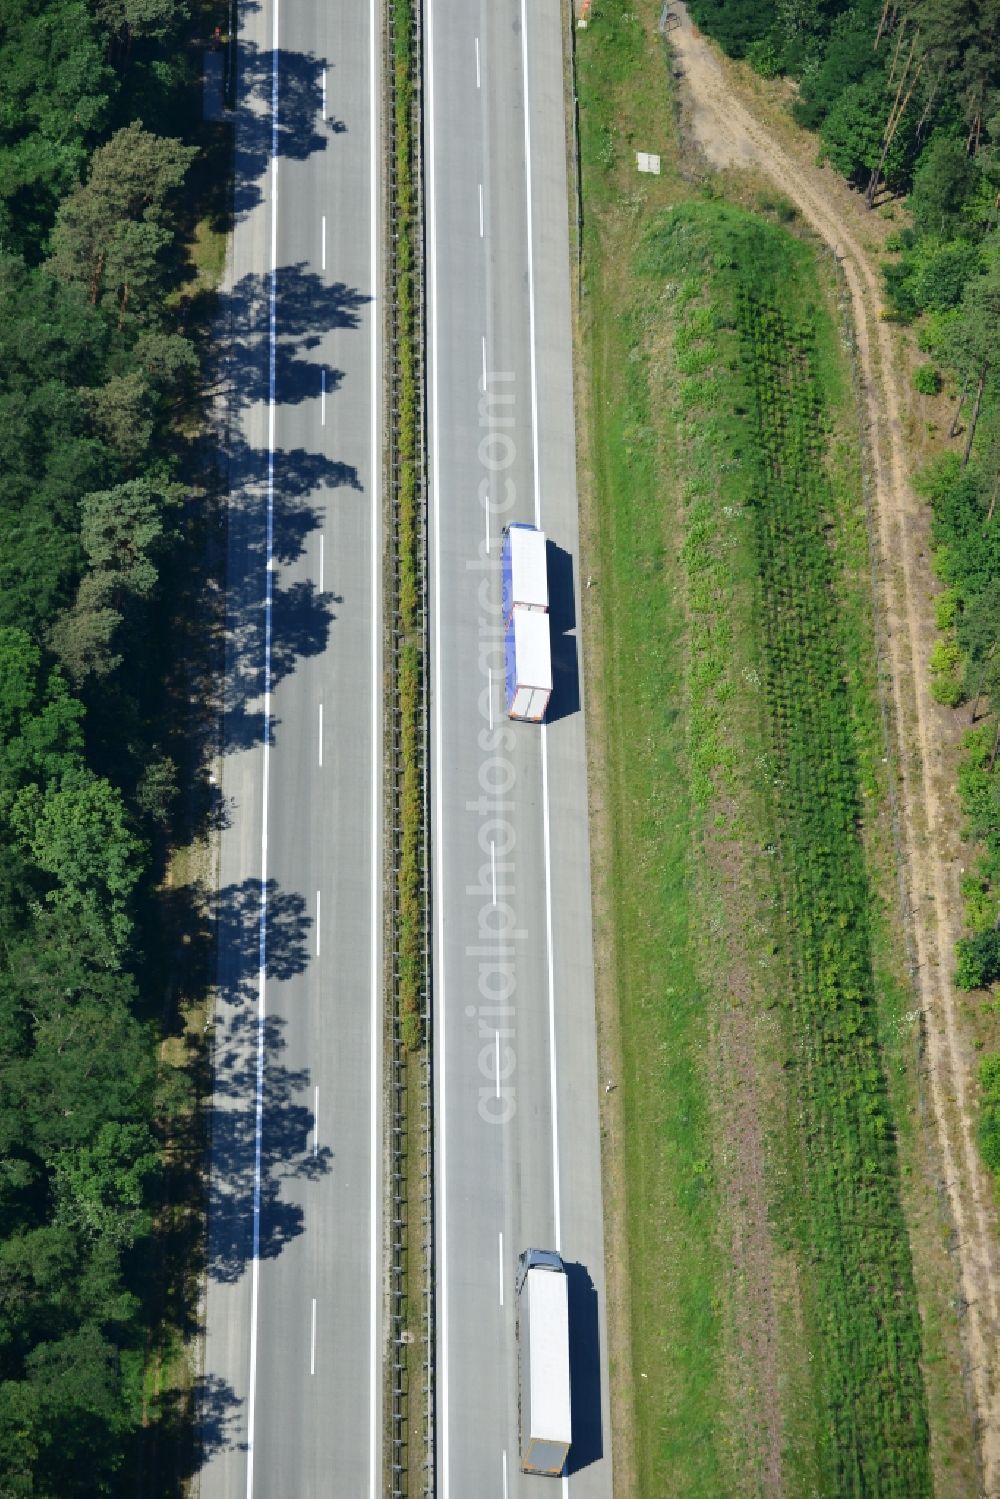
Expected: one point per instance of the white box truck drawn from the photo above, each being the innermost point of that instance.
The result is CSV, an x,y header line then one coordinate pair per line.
x,y
543,1356
527,664
524,569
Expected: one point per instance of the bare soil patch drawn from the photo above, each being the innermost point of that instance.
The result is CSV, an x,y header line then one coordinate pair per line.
x,y
742,1082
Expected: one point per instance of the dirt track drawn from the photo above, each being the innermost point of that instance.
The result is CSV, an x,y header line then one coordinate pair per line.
x,y
730,135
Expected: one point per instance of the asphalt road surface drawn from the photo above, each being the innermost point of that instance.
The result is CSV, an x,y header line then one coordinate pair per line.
x,y
518,1149
290,1396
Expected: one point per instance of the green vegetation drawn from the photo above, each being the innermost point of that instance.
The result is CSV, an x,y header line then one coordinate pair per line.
x,y
903,96
411,927
853,1228
102,178
847,1216
673,1260
744,781
989,1121
408,656
965,667
410,933
905,99
927,380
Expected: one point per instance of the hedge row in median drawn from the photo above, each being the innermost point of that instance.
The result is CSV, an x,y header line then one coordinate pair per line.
x,y
408,542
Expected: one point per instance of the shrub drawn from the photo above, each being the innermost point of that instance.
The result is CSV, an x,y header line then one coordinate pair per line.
x,y
764,57
927,380
946,672
946,609
989,1119
978,960
946,689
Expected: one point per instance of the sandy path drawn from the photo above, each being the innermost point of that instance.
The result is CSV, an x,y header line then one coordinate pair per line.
x,y
730,135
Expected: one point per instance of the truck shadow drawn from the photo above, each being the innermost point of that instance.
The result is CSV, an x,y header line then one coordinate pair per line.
x,y
565,697
584,1369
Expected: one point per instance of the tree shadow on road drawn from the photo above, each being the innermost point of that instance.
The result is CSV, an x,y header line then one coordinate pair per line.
x,y
287,1124
286,1152
238,912
300,130
301,616
307,306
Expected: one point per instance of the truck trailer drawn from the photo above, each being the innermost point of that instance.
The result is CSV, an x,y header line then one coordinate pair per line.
x,y
524,569
527,664
543,1359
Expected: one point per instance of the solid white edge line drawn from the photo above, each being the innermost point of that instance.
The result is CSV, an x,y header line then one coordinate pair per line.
x,y
553,1071
500,1257
312,1340
531,266
266,766
440,1128
374,1362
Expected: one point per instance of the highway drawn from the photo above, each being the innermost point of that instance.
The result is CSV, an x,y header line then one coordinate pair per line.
x,y
290,1395
517,1091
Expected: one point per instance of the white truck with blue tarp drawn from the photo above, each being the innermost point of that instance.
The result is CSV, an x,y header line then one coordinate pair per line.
x,y
543,1349
527,644
525,571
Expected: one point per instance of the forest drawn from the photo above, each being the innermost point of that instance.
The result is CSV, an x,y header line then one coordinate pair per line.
x,y
905,99
100,156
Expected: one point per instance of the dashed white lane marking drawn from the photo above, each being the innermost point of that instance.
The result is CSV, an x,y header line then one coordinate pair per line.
x,y
322,246
493,868
322,548
324,93
316,1119
501,1265
312,1341
478,78
480,210
491,697
547,837
322,398
498,1063
321,733
319,895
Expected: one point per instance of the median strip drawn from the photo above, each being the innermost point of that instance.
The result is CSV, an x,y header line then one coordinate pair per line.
x,y
409,1455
